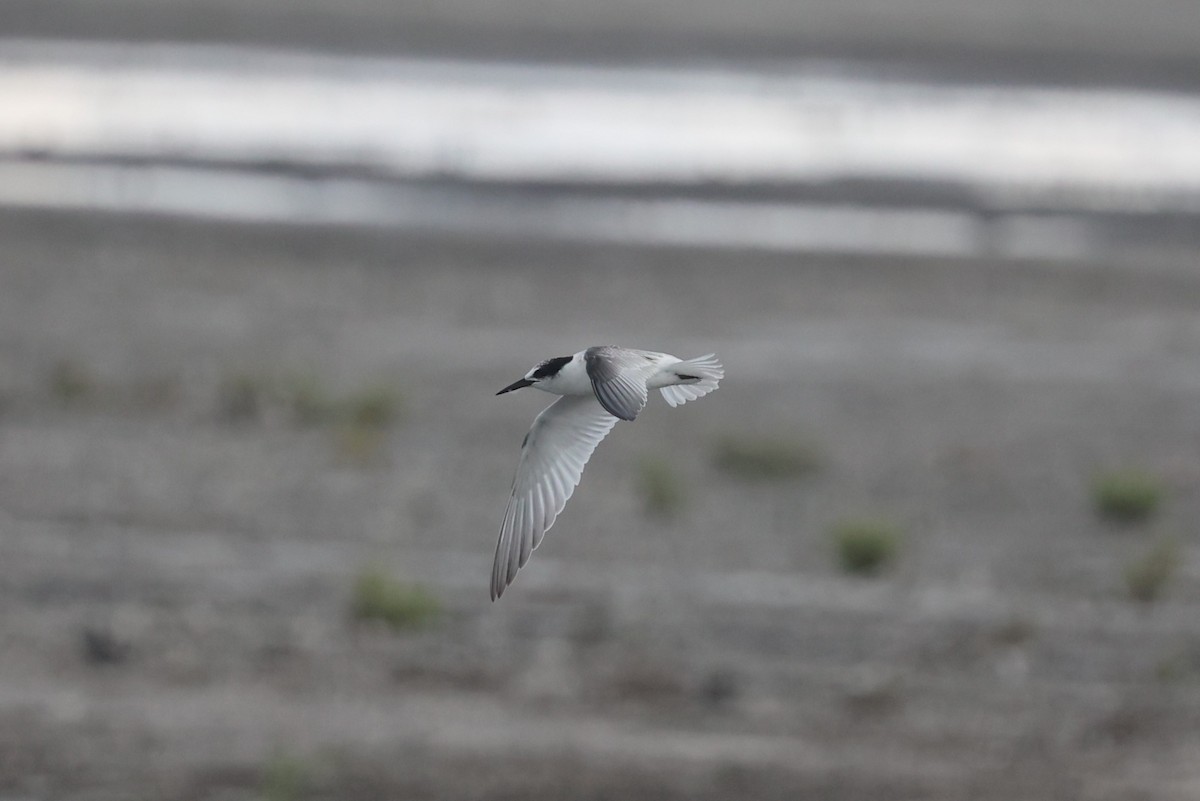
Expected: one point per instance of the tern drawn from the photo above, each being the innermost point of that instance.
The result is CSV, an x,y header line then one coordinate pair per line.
x,y
599,386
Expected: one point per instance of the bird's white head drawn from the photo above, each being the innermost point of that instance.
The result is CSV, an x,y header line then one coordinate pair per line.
x,y
543,371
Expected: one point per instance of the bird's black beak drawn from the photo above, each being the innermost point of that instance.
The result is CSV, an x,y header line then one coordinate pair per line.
x,y
524,382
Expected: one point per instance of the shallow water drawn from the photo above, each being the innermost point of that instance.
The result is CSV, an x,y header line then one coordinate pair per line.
x,y
815,156
480,121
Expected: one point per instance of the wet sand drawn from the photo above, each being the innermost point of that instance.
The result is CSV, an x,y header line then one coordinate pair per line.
x,y
176,572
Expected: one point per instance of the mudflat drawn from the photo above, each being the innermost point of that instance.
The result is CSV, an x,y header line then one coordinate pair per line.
x,y
212,435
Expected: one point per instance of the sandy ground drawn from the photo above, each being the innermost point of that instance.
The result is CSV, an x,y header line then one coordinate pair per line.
x,y
176,572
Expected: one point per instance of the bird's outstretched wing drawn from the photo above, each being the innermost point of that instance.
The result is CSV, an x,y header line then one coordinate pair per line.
x,y
619,378
553,455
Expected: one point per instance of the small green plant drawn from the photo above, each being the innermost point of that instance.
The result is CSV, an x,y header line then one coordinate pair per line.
x,y
284,778
70,381
307,401
1127,496
301,399
760,460
865,545
161,393
364,417
1181,664
359,446
241,397
1148,575
377,596
375,406
1016,630
874,694
662,493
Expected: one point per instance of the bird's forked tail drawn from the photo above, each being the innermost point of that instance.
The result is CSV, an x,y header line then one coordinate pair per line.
x,y
701,376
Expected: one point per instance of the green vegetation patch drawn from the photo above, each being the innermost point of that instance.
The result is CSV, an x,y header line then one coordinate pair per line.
x,y
241,397
378,596
301,399
1147,576
661,490
1127,496
865,546
307,401
374,406
284,778
71,381
765,459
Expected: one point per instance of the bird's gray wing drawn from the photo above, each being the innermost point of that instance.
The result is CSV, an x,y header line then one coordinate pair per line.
x,y
619,378
553,455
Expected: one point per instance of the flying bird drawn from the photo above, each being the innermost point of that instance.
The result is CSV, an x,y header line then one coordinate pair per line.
x,y
599,386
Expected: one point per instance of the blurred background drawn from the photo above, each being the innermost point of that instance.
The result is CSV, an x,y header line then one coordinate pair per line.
x,y
263,266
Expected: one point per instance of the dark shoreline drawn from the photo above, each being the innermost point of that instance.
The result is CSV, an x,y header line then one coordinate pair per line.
x,y
357,198
1115,45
